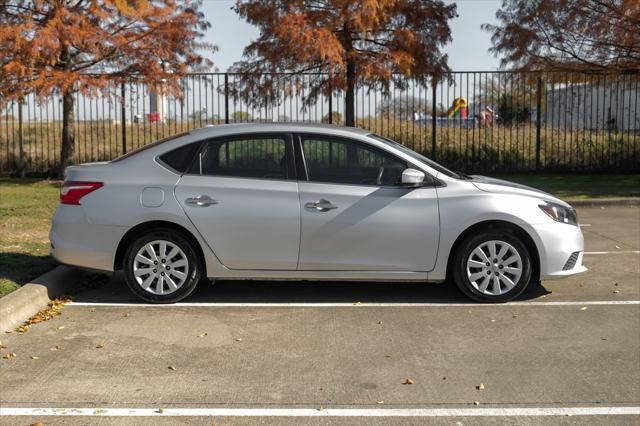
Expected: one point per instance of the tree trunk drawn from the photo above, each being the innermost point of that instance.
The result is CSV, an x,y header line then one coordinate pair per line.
x,y
68,133
349,98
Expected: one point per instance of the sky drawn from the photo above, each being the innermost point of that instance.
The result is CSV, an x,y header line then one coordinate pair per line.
x,y
467,51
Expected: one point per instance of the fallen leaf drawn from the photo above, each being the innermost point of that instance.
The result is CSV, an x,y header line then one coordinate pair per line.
x,y
203,334
9,355
584,308
617,247
480,386
493,320
238,339
35,357
100,346
379,322
408,382
514,316
61,327
358,303
57,348
380,402
53,309
171,367
38,424
616,291
476,402
92,310
160,410
321,408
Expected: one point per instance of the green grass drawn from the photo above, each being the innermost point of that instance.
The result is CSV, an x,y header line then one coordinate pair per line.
x,y
582,186
26,208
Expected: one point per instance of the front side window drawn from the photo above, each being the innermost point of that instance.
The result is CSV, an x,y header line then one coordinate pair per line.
x,y
342,161
251,157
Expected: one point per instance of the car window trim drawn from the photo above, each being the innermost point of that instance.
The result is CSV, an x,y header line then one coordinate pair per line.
x,y
300,135
286,136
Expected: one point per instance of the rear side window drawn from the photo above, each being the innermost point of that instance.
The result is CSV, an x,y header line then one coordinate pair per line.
x,y
251,157
180,158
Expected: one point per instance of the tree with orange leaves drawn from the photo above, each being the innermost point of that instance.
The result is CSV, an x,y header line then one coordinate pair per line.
x,y
568,35
344,42
85,46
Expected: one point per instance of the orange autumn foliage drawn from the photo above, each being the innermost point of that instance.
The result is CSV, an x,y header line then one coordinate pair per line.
x,y
69,46
368,42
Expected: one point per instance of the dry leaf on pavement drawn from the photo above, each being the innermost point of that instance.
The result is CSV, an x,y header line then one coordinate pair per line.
x,y
171,367
480,386
408,382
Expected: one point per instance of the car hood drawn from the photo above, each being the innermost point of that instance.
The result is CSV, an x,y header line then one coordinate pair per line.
x,y
489,184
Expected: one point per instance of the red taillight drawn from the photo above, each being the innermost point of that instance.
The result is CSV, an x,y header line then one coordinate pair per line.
x,y
72,192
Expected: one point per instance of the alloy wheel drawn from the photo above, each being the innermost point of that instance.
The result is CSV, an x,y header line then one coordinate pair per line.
x,y
494,267
160,267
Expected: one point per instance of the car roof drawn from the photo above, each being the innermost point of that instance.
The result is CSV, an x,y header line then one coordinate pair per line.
x,y
327,129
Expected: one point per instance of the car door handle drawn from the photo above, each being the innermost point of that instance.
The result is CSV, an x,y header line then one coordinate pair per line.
x,y
201,201
321,205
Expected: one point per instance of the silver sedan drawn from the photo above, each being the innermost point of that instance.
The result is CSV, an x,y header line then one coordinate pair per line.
x,y
307,202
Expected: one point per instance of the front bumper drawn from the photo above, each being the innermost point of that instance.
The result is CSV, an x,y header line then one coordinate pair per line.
x,y
76,242
557,243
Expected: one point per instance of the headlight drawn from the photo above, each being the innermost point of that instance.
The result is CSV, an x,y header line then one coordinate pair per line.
x,y
560,213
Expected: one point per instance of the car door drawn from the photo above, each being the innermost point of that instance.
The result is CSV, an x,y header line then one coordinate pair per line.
x,y
241,194
356,216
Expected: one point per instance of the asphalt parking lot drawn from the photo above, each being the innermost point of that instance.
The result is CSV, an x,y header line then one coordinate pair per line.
x,y
291,353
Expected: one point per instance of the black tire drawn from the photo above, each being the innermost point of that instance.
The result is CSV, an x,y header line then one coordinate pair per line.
x,y
464,250
193,270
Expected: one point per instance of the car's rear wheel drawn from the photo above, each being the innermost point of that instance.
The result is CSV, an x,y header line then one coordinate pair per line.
x,y
492,266
162,267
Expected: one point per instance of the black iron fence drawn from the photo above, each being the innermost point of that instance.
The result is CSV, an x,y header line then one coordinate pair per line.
x,y
472,121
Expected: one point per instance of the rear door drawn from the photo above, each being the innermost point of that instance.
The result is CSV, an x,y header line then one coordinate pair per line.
x,y
356,216
242,196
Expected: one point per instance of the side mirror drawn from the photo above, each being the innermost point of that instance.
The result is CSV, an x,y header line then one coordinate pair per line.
x,y
412,178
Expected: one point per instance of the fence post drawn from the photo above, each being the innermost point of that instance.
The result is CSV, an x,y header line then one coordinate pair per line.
x,y
23,163
330,105
433,118
226,98
123,113
538,121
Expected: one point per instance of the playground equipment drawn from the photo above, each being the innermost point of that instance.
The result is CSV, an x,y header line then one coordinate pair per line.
x,y
459,108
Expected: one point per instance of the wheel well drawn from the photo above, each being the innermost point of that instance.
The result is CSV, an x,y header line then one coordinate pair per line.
x,y
145,227
500,225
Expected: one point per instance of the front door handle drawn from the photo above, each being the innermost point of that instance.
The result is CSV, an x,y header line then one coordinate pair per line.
x,y
201,201
321,205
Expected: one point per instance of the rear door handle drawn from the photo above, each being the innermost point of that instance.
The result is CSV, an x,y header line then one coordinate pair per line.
x,y
201,201
321,205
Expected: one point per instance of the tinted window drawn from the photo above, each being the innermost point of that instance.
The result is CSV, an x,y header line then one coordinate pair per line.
x,y
342,161
247,157
180,158
151,145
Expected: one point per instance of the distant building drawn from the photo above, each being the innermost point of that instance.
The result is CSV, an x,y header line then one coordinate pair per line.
x,y
581,106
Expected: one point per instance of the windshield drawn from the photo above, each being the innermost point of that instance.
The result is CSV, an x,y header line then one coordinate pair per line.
x,y
416,156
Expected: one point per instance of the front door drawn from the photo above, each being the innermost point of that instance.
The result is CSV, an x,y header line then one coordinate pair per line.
x,y
241,195
356,216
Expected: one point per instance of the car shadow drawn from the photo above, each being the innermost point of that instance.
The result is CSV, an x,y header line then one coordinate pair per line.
x,y
308,292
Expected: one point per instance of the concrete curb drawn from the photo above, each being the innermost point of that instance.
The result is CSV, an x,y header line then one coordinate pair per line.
x,y
17,307
605,202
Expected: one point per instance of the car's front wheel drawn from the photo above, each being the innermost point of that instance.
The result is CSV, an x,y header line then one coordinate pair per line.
x,y
492,266
162,267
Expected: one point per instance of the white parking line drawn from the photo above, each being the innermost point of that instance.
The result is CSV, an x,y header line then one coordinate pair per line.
x,y
353,304
328,412
614,252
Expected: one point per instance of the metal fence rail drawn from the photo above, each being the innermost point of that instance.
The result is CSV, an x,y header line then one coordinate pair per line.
x,y
473,121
